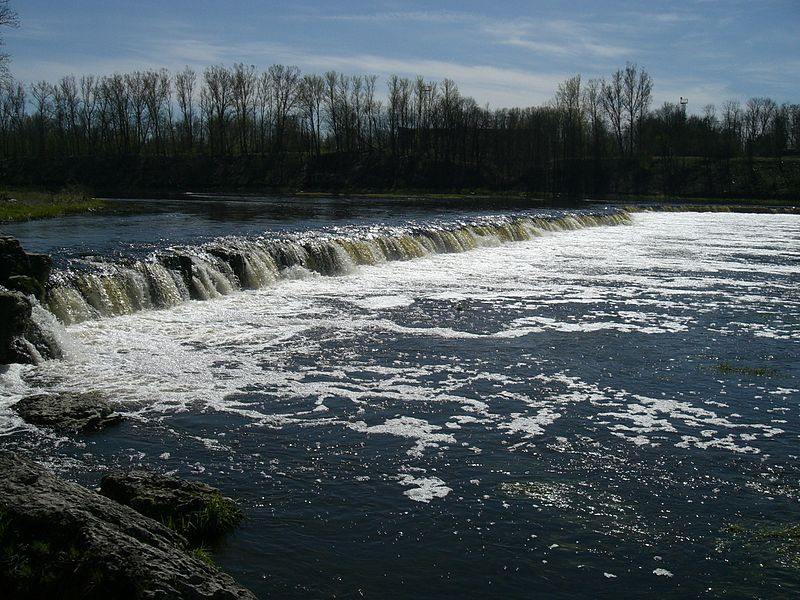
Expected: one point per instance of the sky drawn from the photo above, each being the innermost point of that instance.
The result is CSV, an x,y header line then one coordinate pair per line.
x,y
505,53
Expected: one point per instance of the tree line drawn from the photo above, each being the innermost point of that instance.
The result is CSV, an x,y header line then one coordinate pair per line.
x,y
281,113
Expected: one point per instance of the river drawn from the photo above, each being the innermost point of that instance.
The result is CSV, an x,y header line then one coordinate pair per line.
x,y
576,404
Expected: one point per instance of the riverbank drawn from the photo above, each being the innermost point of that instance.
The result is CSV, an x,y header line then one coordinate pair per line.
x,y
24,205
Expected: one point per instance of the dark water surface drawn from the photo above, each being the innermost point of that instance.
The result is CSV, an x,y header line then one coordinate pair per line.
x,y
604,412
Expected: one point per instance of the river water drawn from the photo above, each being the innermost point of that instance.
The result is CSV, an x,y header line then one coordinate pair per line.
x,y
555,404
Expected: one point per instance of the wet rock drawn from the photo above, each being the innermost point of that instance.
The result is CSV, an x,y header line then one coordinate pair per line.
x,y
60,540
196,510
15,322
21,275
236,261
68,412
14,261
25,284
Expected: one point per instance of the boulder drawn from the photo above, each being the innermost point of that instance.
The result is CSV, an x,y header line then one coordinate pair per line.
x,y
60,540
68,412
22,275
196,510
15,321
14,261
26,285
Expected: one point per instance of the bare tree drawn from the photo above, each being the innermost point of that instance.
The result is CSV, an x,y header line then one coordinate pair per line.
x,y
310,93
245,89
636,98
570,108
613,105
69,106
219,96
8,18
42,93
184,86
284,82
89,101
593,106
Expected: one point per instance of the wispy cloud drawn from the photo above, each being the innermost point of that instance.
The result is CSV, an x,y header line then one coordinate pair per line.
x,y
426,16
557,38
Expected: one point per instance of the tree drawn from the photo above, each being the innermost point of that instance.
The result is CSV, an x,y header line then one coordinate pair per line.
x,y
8,18
636,98
184,85
613,106
310,93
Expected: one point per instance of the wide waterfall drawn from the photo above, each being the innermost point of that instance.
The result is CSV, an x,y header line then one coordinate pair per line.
x,y
170,277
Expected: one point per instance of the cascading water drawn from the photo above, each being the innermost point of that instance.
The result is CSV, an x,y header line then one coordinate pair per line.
x,y
586,414
222,267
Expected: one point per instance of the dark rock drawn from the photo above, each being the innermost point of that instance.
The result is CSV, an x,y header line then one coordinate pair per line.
x,y
40,267
26,285
236,261
20,339
195,509
15,321
68,412
15,261
60,540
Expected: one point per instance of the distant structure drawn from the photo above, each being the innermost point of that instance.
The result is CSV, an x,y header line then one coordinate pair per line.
x,y
684,102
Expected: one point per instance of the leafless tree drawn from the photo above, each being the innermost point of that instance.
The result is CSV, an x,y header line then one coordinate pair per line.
x,y
284,82
245,89
613,105
310,93
8,18
636,98
184,86
218,94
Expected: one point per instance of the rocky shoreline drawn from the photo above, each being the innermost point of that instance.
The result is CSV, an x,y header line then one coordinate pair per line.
x,y
61,540
144,535
23,281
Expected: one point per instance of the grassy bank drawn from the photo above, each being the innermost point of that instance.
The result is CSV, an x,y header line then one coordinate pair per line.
x,y
23,205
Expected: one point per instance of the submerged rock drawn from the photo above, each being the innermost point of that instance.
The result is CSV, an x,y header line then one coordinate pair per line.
x,y
60,540
196,510
68,412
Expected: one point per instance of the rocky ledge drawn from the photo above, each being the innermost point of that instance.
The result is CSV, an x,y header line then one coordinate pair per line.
x,y
194,509
67,412
23,278
60,540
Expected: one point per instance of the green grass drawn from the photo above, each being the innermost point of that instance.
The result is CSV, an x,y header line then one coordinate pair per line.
x,y
24,205
219,516
204,554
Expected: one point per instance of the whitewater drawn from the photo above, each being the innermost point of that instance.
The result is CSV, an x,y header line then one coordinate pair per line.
x,y
582,403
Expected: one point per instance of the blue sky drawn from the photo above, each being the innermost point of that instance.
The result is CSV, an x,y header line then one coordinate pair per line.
x,y
506,53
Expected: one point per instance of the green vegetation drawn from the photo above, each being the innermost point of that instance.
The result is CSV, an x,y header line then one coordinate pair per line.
x,y
203,554
775,543
218,516
23,205
728,369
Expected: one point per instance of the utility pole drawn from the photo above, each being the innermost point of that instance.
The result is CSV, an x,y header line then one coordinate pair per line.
x,y
684,102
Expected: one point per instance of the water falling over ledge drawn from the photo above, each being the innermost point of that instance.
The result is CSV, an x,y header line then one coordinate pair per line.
x,y
219,268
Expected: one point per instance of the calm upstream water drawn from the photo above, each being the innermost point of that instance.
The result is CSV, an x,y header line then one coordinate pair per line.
x,y
422,402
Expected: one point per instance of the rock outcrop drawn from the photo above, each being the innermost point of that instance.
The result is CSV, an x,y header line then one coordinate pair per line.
x,y
23,271
60,540
68,412
196,510
22,276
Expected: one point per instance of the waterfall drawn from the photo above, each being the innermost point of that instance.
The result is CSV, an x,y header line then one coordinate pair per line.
x,y
224,266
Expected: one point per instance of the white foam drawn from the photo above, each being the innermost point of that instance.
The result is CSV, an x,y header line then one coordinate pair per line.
x,y
424,489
